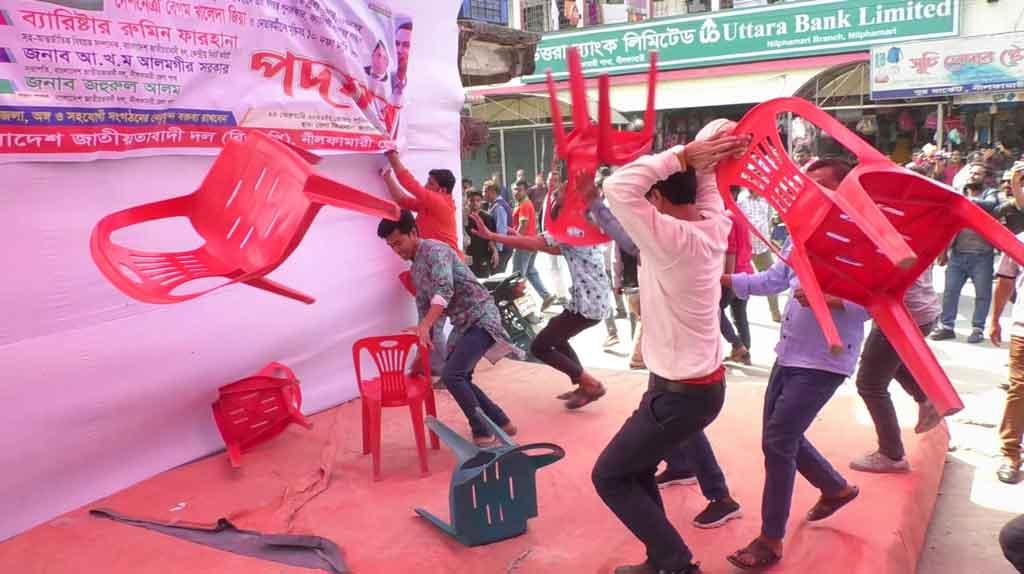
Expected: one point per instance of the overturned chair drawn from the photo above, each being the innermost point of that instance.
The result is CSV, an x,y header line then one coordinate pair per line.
x,y
494,490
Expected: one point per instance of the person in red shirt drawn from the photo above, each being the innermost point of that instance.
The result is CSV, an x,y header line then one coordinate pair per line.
x,y
432,202
435,219
738,259
524,218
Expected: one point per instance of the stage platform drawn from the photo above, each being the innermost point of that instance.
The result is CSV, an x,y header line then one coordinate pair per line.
x,y
318,482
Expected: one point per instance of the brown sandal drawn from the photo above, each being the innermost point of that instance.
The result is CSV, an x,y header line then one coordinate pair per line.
x,y
567,395
583,396
759,555
826,507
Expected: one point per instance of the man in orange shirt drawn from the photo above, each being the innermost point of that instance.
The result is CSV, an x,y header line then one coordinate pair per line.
x,y
525,220
432,202
435,219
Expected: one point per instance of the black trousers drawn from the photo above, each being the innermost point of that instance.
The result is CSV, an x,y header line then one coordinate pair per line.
x,y
624,473
551,345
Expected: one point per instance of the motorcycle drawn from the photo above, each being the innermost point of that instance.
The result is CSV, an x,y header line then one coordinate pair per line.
x,y
509,293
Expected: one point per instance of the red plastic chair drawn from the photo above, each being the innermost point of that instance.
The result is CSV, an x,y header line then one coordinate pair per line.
x,y
258,408
252,210
868,240
588,146
405,277
393,387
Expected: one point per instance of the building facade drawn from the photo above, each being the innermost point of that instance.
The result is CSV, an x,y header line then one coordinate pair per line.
x,y
718,58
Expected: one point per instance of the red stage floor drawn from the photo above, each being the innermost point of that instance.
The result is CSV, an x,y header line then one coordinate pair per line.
x,y
282,489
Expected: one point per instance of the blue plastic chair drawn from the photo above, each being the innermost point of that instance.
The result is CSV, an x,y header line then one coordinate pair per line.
x,y
493,490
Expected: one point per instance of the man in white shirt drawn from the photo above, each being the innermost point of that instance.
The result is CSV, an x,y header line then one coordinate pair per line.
x,y
682,238
760,214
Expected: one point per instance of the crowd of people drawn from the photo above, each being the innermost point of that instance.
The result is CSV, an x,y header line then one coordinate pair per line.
x,y
677,249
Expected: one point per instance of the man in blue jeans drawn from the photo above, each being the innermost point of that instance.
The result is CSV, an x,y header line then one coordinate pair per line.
x,y
803,379
446,287
971,257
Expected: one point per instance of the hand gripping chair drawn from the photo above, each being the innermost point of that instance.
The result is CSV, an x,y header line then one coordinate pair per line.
x,y
393,387
258,408
493,490
252,210
587,147
866,241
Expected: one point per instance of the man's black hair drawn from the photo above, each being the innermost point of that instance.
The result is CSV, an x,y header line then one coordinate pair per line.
x,y
475,193
522,183
444,178
680,188
405,26
405,225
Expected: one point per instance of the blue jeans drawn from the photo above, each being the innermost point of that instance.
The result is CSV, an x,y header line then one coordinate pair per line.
x,y
523,263
440,342
458,377
697,456
792,401
979,268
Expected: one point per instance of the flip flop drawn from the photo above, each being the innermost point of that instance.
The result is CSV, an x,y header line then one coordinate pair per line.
x,y
583,397
826,507
762,554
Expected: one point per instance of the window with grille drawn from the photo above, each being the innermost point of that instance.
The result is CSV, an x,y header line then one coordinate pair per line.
x,y
672,7
537,15
491,11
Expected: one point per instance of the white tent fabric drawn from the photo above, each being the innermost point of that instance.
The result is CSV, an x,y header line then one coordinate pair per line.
x,y
100,391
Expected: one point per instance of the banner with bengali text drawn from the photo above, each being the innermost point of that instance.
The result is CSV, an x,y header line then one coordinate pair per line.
x,y
89,79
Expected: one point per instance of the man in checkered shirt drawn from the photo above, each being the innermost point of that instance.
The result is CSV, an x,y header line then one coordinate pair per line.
x,y
761,214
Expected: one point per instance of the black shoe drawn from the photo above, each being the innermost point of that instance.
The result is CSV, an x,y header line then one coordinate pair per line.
x,y
942,334
648,568
645,568
975,337
718,512
671,477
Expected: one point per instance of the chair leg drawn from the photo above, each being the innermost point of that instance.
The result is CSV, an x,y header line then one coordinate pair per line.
x,y
279,289
235,454
902,331
375,432
431,407
325,191
418,428
809,282
366,427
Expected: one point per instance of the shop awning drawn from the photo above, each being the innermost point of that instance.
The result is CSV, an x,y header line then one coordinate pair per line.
x,y
717,86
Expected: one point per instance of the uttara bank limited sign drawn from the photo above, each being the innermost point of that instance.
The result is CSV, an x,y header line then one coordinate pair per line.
x,y
746,35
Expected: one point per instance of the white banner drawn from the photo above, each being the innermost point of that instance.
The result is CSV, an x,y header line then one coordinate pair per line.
x,y
81,79
981,64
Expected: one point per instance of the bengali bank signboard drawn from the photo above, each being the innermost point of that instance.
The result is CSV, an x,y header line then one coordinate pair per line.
x,y
974,65
738,36
81,79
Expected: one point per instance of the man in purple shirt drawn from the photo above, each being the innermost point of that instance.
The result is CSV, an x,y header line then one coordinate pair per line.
x,y
805,376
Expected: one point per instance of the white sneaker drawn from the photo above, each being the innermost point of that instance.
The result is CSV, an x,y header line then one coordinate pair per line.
x,y
879,463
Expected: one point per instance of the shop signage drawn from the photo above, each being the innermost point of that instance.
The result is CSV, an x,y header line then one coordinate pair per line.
x,y
734,36
975,65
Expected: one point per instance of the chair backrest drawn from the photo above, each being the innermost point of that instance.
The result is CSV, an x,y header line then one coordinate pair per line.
x,y
250,208
390,355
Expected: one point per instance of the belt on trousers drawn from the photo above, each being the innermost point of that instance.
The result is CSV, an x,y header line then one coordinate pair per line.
x,y
689,385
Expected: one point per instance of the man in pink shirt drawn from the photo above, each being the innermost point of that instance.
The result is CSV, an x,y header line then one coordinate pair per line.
x,y
682,237
738,259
